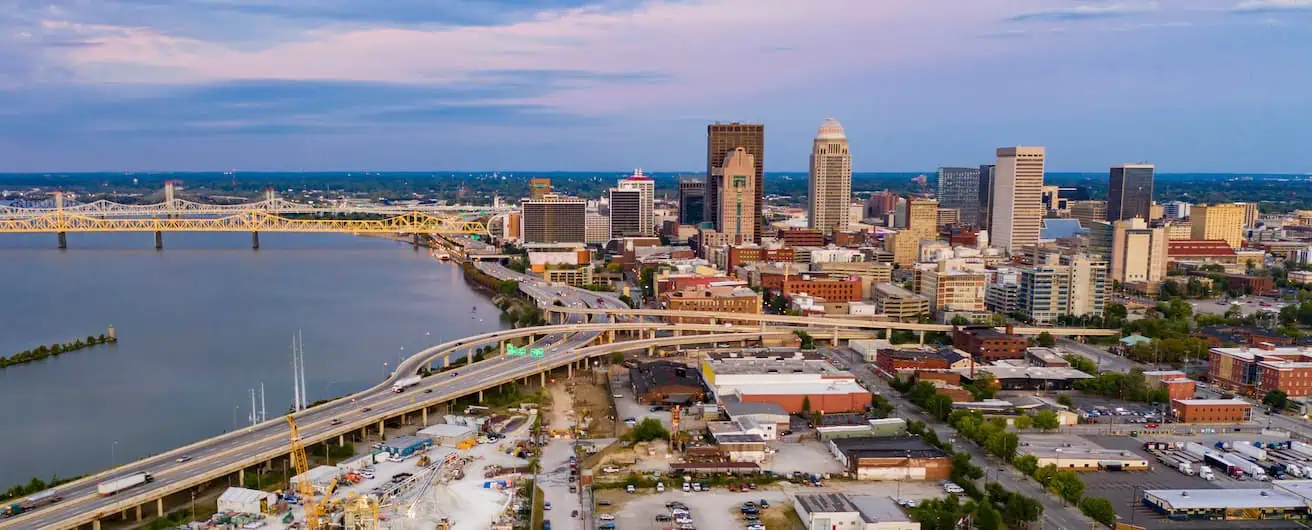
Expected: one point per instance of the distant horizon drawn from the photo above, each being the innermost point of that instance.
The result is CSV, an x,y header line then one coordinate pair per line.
x,y
577,172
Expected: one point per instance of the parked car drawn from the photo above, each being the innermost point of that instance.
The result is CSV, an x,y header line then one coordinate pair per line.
x,y
546,506
606,517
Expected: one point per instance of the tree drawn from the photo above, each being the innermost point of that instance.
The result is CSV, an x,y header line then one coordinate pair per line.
x,y
1099,509
508,288
959,321
1045,339
1083,364
1027,464
1045,474
1276,399
986,518
940,405
1002,444
807,343
647,279
1023,422
1065,400
649,429
1046,420
1021,508
806,403
617,357
1068,486
985,386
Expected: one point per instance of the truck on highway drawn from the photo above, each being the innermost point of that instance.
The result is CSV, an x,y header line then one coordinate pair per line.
x,y
29,504
112,486
403,384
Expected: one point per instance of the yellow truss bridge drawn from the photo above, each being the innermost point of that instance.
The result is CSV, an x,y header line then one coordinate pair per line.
x,y
248,221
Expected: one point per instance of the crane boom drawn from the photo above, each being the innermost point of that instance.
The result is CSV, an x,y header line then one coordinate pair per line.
x,y
302,465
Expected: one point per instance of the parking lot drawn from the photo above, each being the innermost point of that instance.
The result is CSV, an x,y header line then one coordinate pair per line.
x,y
1095,409
721,509
808,456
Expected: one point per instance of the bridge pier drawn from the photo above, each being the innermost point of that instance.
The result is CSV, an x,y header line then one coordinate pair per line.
x,y
241,477
543,378
95,524
159,507
255,240
570,369
922,337
480,396
415,240
138,512
63,240
159,240
425,416
380,429
446,360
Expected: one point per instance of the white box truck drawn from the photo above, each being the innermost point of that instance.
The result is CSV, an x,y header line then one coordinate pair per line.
x,y
112,486
403,384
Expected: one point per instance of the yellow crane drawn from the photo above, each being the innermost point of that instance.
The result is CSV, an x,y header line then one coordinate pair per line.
x,y
314,510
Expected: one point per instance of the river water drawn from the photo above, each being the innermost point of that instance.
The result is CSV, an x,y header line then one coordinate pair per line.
x,y
199,324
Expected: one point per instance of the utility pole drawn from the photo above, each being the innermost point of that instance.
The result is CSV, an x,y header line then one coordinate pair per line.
x,y
264,416
254,413
296,383
304,395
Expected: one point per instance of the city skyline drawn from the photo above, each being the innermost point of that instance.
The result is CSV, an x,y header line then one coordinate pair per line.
x,y
125,85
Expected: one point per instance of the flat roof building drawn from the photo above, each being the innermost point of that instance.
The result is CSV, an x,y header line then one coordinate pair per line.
x,y
1212,410
891,458
828,511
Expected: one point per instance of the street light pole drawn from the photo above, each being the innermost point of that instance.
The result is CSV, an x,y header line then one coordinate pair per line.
x,y
113,456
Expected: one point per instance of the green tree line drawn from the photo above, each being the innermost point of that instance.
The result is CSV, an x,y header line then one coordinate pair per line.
x,y
53,350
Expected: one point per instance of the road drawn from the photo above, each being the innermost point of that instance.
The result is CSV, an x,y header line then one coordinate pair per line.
x,y
207,456
1056,515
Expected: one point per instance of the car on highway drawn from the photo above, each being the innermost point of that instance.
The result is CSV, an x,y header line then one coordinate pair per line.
x,y
336,421
453,374
428,391
366,409
183,458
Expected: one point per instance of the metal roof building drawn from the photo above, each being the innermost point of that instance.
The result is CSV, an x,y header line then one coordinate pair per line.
x,y
1286,498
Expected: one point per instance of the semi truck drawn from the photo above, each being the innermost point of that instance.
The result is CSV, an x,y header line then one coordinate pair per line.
x,y
403,384
1245,449
1220,462
112,486
30,503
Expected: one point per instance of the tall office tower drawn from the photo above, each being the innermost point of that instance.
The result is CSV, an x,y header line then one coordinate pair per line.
x,y
1138,253
646,188
625,213
1088,211
1074,286
1218,221
986,172
692,202
1175,210
596,229
721,140
737,196
1130,192
539,188
958,188
1250,214
554,219
1017,209
881,202
830,186
922,218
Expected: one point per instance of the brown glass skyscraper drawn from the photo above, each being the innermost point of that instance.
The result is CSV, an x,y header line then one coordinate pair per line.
x,y
722,139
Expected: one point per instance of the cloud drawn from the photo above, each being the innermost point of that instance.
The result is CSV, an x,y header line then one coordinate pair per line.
x,y
1086,12
1270,6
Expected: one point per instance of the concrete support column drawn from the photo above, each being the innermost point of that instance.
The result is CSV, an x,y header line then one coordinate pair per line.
x,y
255,240
480,396
95,524
651,351
425,416
503,347
124,515
446,360
922,336
241,477
469,356
571,369
678,332
159,507
63,240
341,440
138,512
159,240
415,241
543,377
380,428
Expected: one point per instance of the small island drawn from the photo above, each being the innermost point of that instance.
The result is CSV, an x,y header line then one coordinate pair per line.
x,y
43,351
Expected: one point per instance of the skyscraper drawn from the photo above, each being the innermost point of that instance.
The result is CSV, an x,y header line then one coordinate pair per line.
x,y
1017,209
958,188
986,194
922,218
647,194
1130,192
1218,221
539,188
692,202
625,213
830,186
554,219
721,140
737,197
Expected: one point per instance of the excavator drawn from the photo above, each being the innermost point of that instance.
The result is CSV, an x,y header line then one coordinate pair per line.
x,y
315,510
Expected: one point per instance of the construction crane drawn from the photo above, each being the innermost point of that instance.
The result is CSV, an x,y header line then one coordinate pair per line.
x,y
314,510
361,513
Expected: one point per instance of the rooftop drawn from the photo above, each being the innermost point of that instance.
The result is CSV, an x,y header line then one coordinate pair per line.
x,y
1212,402
1029,372
812,388
891,290
879,509
1199,247
735,407
888,447
724,364
985,332
648,376
446,429
1225,498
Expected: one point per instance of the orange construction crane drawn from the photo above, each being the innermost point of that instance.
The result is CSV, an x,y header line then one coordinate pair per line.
x,y
313,509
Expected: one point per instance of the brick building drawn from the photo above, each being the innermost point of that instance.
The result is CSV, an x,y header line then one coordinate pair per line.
x,y
1219,335
832,288
890,361
800,237
1212,410
727,299
1252,284
891,458
739,255
1256,371
987,344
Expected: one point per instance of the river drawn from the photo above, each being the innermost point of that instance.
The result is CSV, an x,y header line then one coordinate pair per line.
x,y
199,324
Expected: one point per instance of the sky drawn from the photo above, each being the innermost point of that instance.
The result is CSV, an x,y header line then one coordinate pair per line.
x,y
608,85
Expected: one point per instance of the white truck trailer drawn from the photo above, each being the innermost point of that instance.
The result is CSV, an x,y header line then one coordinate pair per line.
x,y
112,486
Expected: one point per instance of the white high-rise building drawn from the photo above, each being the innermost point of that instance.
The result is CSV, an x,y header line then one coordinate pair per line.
x,y
646,196
830,185
1017,211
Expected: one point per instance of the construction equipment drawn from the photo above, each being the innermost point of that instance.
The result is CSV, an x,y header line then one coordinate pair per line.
x,y
361,513
314,509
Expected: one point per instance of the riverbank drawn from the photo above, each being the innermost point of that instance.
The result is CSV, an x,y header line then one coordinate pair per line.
x,y
54,350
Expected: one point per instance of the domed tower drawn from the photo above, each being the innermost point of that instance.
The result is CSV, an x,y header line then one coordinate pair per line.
x,y
830,186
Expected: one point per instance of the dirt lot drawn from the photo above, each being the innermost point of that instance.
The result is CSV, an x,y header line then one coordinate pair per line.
x,y
591,398
809,456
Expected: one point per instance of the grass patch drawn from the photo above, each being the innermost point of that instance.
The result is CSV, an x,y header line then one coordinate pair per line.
x,y
781,518
539,503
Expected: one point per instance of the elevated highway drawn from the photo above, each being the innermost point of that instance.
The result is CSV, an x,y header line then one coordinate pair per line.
x,y
815,322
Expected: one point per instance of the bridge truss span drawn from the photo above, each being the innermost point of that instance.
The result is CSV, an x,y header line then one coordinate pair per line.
x,y
60,221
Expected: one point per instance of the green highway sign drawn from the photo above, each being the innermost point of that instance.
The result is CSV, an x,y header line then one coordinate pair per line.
x,y
515,351
536,352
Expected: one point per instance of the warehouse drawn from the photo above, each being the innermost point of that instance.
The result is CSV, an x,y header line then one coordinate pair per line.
x,y
319,478
1077,454
793,383
666,382
1029,377
827,511
448,435
891,458
1212,410
1288,499
242,500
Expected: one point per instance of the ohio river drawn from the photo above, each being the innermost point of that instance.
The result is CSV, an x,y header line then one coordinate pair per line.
x,y
199,324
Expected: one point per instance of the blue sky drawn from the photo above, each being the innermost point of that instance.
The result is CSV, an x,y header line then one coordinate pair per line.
x,y
141,85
